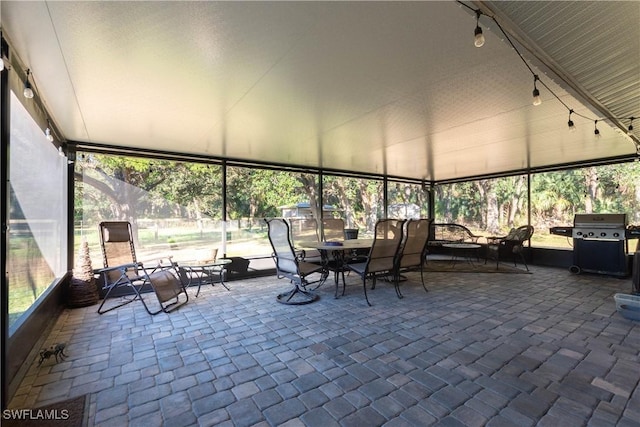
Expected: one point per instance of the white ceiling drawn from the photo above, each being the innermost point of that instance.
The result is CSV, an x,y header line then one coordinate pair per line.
x,y
374,87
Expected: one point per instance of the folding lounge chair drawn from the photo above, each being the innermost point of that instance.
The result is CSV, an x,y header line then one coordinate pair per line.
x,y
122,270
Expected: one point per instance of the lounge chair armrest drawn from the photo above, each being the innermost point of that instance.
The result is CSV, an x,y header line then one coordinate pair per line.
x,y
161,261
158,263
123,267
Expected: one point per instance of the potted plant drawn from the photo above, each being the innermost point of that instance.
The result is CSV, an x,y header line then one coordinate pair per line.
x,y
82,287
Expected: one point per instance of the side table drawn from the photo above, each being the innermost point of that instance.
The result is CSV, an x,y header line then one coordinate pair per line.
x,y
203,273
462,250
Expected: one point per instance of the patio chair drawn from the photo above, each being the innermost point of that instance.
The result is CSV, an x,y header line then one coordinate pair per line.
x,y
290,266
512,243
332,229
381,260
123,270
305,230
413,250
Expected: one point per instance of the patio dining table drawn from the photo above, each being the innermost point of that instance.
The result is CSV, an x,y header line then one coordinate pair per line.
x,y
336,250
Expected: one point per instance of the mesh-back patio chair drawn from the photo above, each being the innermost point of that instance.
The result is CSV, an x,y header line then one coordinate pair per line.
x,y
381,260
290,266
324,258
332,229
123,270
413,250
305,230
512,243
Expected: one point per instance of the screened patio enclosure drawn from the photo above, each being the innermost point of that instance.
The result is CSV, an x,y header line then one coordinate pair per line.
x,y
197,120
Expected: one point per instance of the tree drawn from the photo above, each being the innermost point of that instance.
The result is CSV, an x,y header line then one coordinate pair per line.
x,y
591,188
197,187
124,181
487,192
309,183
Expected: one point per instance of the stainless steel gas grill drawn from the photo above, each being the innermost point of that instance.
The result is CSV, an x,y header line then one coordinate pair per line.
x,y
600,244
600,226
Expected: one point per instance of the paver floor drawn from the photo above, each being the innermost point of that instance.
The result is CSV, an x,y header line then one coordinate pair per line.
x,y
546,349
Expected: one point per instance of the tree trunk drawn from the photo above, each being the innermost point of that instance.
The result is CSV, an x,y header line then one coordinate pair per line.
x,y
198,214
516,199
481,185
311,190
592,189
370,205
493,210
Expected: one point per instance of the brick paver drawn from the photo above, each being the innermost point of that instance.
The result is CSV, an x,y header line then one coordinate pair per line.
x,y
546,348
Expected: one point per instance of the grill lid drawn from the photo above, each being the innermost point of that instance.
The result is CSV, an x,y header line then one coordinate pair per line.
x,y
600,220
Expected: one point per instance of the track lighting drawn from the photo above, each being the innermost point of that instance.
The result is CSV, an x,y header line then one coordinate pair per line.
x,y
478,40
572,128
28,92
596,131
536,92
630,128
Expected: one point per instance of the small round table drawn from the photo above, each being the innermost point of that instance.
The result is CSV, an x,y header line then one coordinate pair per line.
x,y
462,250
203,272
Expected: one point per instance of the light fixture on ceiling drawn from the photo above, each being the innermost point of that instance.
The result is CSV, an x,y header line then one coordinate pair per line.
x,y
572,127
630,128
47,132
596,131
536,93
478,40
27,92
